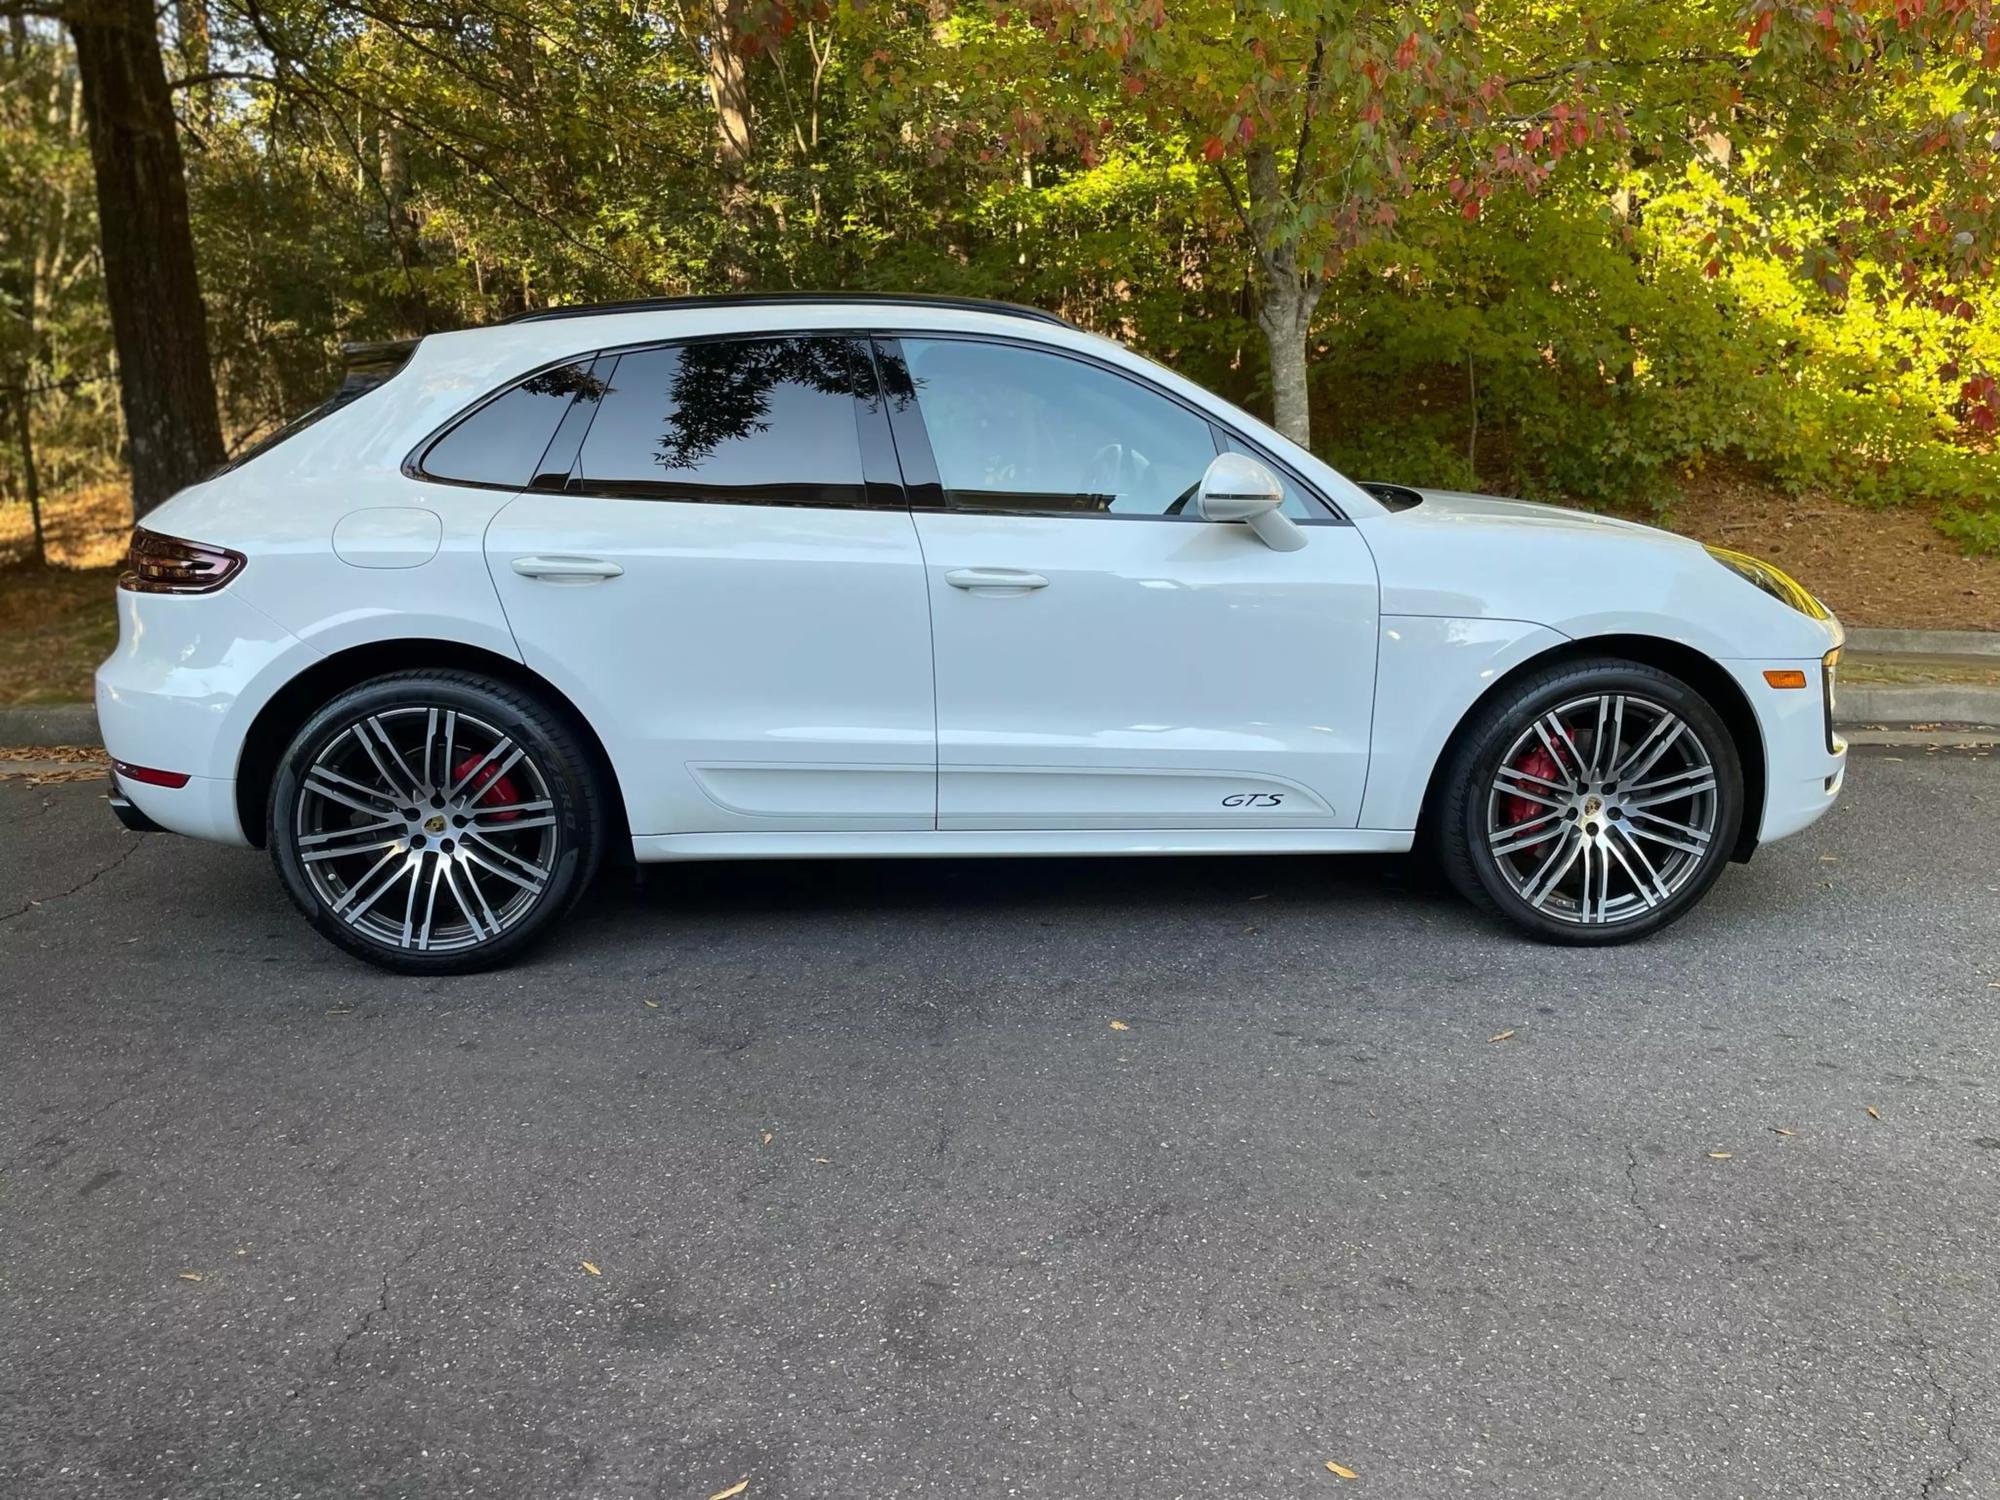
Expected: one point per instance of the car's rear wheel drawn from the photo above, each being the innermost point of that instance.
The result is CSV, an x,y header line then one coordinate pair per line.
x,y
1591,803
435,822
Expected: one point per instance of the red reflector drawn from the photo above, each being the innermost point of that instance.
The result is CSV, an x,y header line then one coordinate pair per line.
x,y
149,776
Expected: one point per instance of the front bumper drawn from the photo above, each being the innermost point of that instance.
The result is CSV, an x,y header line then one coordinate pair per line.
x,y
1804,769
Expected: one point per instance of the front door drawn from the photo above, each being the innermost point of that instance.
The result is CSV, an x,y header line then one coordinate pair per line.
x,y
1105,659
721,585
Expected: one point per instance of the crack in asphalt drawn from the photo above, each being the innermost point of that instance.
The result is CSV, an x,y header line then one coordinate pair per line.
x,y
1632,1186
389,1273
64,1147
1941,1474
89,880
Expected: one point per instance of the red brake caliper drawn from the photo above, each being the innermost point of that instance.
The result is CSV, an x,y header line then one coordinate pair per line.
x,y
488,788
1515,809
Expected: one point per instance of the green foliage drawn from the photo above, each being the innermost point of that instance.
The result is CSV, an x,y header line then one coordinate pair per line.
x,y
1974,530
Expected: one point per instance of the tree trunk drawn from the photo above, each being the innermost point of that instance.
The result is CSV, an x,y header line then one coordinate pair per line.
x,y
158,324
1286,299
1285,314
31,481
729,92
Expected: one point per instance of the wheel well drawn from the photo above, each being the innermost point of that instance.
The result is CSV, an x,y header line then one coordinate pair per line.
x,y
281,718
1702,673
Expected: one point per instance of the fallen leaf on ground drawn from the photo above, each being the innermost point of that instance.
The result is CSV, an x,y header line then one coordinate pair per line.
x,y
592,1269
190,1276
1120,1026
1779,1130
768,1137
1341,1469
735,1489
822,1161
1505,1036
1719,1155
1871,1113
652,1005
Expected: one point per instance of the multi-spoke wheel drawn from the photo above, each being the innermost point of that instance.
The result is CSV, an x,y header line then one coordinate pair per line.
x,y
434,822
1595,803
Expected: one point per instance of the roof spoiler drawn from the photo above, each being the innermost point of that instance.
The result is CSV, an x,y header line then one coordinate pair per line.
x,y
368,365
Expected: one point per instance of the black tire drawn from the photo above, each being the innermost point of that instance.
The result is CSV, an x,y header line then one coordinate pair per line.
x,y
523,833
1472,801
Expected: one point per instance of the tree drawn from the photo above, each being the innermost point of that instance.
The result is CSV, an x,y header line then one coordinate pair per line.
x,y
150,283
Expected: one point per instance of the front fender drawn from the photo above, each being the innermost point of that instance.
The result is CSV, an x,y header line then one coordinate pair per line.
x,y
1430,670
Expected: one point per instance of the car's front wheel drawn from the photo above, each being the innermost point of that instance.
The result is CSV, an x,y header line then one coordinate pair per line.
x,y
1593,802
435,822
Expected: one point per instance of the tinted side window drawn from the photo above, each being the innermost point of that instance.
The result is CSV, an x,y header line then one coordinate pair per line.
x,y
768,421
1021,430
502,442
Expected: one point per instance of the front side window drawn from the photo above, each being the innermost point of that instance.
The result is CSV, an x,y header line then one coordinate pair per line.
x,y
757,421
503,442
1017,429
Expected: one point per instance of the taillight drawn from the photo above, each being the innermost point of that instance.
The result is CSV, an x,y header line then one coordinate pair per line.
x,y
158,564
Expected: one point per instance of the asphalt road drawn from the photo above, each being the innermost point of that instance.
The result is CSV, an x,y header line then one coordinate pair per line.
x,y
882,1204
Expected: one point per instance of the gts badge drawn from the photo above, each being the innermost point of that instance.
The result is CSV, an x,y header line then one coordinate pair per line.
x,y
1254,799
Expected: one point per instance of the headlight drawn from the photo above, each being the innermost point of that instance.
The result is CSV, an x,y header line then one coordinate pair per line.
x,y
1776,582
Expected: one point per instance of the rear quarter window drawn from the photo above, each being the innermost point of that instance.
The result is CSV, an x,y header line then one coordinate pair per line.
x,y
503,441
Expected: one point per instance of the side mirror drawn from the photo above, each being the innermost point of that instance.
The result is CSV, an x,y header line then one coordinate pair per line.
x,y
1238,488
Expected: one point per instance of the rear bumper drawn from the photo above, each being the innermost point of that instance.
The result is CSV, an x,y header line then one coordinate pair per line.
x,y
203,809
179,693
127,812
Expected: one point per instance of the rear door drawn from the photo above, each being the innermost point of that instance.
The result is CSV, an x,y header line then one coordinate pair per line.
x,y
717,565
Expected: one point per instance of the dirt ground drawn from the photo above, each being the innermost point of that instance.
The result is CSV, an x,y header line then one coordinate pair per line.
x,y
1873,567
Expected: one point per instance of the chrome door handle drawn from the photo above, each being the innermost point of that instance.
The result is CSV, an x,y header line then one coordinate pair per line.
x,y
995,580
566,569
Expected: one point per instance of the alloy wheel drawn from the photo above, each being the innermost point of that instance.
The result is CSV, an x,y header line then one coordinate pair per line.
x,y
426,829
1603,809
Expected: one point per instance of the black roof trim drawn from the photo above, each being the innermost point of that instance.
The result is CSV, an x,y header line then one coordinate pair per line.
x,y
780,299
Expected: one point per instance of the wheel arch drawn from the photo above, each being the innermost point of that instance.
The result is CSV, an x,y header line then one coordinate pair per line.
x,y
1698,670
288,709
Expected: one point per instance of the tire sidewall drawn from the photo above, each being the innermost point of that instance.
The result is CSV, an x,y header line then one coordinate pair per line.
x,y
1508,724
506,711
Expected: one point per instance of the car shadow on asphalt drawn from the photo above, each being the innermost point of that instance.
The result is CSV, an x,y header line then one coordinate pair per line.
x,y
1107,885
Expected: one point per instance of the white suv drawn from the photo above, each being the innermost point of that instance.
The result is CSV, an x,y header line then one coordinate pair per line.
x,y
755,577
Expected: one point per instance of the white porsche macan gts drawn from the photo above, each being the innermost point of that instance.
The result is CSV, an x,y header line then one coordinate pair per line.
x,y
825,575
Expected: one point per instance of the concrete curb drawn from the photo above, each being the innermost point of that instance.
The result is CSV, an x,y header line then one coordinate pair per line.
x,y
1917,703
1901,704
1865,642
50,724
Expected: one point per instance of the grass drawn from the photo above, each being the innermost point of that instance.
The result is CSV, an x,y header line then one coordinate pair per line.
x,y
56,625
